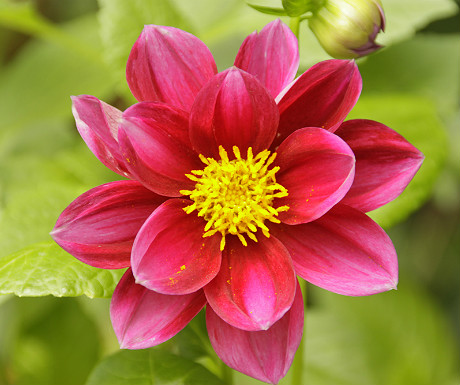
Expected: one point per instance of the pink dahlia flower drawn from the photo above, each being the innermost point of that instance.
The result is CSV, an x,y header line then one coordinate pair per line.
x,y
238,181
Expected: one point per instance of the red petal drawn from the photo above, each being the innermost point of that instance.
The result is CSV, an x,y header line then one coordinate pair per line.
x,y
97,123
317,168
168,65
266,355
322,97
99,227
255,285
170,254
272,56
142,318
233,109
154,141
385,163
344,251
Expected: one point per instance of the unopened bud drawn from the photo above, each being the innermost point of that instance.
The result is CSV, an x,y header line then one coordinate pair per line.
x,y
348,28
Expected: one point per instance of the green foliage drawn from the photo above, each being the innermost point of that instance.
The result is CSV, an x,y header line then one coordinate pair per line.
x,y
38,82
41,171
192,342
22,16
404,18
36,186
394,338
46,341
427,65
46,269
150,366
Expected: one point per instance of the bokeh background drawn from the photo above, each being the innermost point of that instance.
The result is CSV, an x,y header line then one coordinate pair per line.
x,y
51,49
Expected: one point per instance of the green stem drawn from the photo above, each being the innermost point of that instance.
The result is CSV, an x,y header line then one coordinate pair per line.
x,y
305,17
294,24
226,374
297,366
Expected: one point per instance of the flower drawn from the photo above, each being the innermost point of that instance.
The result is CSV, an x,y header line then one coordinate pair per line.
x,y
348,28
238,181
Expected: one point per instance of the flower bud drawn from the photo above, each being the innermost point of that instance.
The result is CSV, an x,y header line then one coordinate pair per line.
x,y
347,28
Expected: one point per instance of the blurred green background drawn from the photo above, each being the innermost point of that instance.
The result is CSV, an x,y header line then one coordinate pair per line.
x,y
51,49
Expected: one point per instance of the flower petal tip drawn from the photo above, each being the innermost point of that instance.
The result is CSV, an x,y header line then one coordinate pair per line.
x,y
124,345
391,284
140,281
136,343
394,285
168,65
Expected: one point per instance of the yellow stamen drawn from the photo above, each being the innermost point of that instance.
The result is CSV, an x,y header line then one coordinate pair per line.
x,y
236,196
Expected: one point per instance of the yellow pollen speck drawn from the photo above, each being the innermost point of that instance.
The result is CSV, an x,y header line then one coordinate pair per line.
x,y
182,267
236,196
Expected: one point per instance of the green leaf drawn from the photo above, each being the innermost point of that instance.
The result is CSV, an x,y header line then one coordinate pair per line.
x,y
150,366
296,7
193,342
121,23
45,269
268,10
417,120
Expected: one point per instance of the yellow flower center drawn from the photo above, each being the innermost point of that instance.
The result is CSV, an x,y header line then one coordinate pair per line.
x,y
236,196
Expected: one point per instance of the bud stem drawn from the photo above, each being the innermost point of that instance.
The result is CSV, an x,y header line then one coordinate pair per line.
x,y
227,374
294,24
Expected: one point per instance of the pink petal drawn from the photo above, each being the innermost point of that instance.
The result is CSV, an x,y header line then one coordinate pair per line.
x,y
170,254
255,285
154,141
322,97
99,226
344,251
265,355
168,65
97,123
233,109
142,318
317,169
385,163
272,56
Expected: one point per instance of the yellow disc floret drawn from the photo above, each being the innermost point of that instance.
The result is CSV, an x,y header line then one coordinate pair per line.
x,y
236,196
